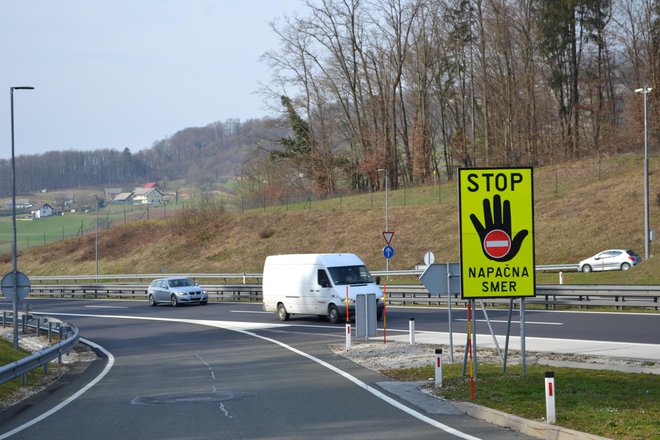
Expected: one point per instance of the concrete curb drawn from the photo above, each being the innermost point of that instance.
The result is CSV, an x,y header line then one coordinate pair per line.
x,y
529,427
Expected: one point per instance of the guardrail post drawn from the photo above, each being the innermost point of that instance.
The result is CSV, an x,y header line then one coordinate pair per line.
x,y
38,329
4,319
59,358
50,331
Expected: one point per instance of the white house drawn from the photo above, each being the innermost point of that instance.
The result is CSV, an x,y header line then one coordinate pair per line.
x,y
44,211
151,196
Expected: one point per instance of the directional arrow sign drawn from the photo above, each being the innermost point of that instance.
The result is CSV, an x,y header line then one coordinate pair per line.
x,y
388,252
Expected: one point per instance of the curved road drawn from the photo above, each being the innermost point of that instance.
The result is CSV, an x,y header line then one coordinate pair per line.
x,y
230,371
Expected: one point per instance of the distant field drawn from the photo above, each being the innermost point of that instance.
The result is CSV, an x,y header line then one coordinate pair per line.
x,y
38,232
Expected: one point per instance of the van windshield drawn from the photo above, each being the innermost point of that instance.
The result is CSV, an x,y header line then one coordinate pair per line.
x,y
343,275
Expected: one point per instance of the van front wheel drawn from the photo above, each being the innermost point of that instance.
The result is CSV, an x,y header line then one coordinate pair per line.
x,y
282,314
333,314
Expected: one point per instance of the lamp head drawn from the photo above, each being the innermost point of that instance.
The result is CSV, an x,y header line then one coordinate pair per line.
x,y
644,90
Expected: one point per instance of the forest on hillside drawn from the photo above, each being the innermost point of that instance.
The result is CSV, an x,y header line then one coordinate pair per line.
x,y
409,90
421,87
198,156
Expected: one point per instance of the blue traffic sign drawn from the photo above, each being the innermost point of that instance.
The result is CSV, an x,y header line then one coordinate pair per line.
x,y
388,251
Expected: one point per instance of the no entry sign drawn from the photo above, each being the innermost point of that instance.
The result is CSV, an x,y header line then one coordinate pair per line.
x,y
497,243
497,232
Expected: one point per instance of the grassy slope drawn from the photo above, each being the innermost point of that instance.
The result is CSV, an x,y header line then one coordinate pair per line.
x,y
580,209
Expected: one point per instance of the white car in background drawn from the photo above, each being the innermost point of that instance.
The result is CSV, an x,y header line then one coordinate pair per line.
x,y
611,259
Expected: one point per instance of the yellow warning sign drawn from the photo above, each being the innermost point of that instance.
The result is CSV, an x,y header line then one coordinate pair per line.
x,y
496,232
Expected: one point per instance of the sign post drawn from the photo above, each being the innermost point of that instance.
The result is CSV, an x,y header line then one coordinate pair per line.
x,y
388,251
15,286
441,279
496,221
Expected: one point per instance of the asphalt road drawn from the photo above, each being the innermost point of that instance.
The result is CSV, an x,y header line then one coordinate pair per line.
x,y
180,373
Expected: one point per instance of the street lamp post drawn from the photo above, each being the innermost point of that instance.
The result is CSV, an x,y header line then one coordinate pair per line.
x,y
645,91
13,216
96,210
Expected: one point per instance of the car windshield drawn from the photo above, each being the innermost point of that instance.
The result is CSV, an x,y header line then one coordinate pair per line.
x,y
181,282
343,275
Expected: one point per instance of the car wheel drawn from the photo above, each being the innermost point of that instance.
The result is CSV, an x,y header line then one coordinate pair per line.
x,y
152,301
282,314
204,303
333,314
173,301
625,266
586,268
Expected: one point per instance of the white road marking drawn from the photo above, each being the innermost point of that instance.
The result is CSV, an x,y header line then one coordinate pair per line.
x,y
97,379
241,327
515,322
245,327
106,307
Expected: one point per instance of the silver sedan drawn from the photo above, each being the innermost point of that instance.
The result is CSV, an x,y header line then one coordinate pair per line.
x,y
175,291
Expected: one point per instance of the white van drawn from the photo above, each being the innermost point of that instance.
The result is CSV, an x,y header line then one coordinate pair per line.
x,y
316,284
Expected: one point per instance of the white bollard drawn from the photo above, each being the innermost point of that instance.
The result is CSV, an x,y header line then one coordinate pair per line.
x,y
550,416
411,326
348,336
438,367
561,277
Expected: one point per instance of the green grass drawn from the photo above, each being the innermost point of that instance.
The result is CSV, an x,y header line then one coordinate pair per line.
x,y
32,233
7,356
606,403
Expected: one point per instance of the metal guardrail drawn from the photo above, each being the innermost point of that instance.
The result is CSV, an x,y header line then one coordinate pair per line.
x,y
548,295
217,292
557,267
241,277
43,357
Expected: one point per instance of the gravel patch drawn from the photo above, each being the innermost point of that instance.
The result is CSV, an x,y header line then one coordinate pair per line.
x,y
381,357
33,343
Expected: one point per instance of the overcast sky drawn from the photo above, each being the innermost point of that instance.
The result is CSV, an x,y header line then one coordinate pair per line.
x,y
128,73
